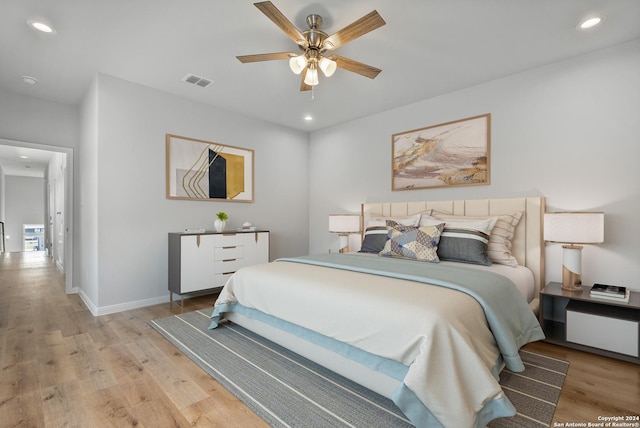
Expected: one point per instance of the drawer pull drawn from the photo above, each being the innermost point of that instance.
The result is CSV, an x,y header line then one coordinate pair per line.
x,y
229,260
228,248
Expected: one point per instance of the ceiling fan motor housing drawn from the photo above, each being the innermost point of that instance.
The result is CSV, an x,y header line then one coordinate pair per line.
x,y
314,36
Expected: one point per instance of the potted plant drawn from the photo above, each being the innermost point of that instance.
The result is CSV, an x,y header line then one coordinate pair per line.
x,y
220,221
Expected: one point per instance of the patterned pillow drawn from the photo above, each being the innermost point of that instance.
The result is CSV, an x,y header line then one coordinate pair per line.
x,y
375,232
416,243
465,241
499,248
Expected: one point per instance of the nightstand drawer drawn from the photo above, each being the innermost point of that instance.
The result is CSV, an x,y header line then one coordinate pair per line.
x,y
604,331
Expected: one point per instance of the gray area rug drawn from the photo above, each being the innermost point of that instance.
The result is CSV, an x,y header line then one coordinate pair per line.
x,y
288,390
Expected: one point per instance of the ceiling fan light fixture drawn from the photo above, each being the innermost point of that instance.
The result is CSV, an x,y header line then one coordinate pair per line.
x,y
311,78
297,63
328,66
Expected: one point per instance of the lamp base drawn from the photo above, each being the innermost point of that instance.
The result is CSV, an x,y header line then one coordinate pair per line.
x,y
344,243
571,268
571,281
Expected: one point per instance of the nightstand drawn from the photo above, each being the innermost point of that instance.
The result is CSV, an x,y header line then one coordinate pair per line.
x,y
601,326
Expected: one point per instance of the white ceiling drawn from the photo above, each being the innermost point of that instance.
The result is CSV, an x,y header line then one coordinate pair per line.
x,y
427,48
23,161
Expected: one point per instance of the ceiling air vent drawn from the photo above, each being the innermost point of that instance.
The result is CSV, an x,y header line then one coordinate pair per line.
x,y
197,80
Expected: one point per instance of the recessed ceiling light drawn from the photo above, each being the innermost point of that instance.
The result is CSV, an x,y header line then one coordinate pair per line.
x,y
24,157
308,118
590,22
41,26
29,80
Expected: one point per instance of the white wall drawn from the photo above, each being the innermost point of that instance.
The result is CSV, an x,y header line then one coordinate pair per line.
x,y
124,193
86,268
567,131
33,120
25,205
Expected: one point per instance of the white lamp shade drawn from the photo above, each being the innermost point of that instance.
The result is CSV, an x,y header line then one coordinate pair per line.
x,y
297,63
311,78
574,227
327,66
344,223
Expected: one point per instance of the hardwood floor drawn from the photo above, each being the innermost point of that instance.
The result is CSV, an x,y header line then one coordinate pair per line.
x,y
60,366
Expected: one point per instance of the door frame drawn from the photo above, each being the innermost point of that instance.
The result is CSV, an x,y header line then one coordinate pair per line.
x,y
68,204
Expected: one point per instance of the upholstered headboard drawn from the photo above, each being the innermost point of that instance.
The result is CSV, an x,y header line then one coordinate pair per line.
x,y
528,244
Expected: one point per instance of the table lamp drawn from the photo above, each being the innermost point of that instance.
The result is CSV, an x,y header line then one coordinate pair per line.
x,y
344,225
572,228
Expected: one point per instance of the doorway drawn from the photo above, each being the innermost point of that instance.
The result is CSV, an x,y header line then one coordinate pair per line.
x,y
58,227
33,237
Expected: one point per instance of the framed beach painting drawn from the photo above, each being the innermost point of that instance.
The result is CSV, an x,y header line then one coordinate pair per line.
x,y
208,171
449,154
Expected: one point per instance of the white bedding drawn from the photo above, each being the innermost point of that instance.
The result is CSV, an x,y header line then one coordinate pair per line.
x,y
439,334
521,276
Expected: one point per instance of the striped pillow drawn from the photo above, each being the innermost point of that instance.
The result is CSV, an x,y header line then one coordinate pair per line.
x,y
465,241
499,248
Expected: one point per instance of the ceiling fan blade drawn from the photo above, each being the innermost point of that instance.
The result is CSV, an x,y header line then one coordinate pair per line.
x,y
274,14
265,57
354,30
356,67
304,86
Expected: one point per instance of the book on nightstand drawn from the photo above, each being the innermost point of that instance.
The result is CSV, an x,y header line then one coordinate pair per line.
x,y
611,292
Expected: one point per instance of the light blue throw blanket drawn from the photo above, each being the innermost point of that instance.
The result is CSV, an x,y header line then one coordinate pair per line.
x,y
511,320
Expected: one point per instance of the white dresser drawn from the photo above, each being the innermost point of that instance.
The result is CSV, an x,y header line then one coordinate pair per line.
x,y
204,261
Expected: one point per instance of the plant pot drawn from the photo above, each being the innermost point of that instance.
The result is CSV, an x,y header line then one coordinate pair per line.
x,y
219,225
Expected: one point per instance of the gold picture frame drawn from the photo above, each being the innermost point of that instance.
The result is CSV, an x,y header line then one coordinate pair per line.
x,y
208,171
449,154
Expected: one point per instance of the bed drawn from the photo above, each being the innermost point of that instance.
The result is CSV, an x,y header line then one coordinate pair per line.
x,y
433,337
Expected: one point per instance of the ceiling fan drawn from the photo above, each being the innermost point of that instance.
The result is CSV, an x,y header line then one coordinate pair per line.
x,y
313,43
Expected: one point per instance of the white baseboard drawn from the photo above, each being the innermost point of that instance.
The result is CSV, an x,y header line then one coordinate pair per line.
x,y
97,311
127,306
87,302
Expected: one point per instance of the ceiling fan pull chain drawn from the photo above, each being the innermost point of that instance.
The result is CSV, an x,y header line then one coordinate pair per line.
x,y
313,93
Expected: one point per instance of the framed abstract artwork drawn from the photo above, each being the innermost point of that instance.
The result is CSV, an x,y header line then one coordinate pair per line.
x,y
208,171
449,154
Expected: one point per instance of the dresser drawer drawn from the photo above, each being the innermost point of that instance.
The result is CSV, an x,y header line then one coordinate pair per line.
x,y
226,253
228,240
228,265
220,279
